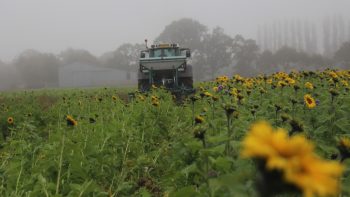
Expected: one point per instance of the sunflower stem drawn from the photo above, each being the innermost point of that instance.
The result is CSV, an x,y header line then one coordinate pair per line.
x,y
60,164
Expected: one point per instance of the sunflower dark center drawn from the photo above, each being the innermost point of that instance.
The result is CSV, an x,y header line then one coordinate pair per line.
x,y
309,100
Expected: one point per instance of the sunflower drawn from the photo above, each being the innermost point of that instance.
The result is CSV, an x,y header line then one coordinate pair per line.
x,y
154,98
309,85
294,157
71,121
10,120
344,148
207,94
234,92
344,83
222,79
344,142
290,81
141,98
333,74
309,101
281,84
199,119
215,98
114,98
155,103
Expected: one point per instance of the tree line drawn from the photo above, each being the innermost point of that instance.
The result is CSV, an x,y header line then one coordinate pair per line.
x,y
213,53
324,37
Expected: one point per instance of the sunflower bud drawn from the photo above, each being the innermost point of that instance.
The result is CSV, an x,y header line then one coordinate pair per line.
x,y
285,117
278,107
199,132
333,92
297,126
229,109
194,98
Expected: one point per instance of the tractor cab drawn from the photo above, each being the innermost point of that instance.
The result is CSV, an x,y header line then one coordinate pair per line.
x,y
165,65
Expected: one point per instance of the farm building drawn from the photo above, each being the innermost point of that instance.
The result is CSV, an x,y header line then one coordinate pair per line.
x,y
82,75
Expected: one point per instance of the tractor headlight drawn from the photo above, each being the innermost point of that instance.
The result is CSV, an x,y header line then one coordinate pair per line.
x,y
144,69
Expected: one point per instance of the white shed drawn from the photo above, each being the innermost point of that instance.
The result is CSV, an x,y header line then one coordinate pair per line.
x,y
82,75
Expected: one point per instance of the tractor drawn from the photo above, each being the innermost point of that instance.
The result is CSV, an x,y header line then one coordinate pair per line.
x,y
165,65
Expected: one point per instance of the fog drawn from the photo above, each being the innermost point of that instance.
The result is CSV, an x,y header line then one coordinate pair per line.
x,y
100,26
38,35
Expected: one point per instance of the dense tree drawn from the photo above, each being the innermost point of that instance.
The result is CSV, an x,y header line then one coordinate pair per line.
x,y
245,53
124,57
71,56
8,76
37,70
217,52
266,62
187,32
343,54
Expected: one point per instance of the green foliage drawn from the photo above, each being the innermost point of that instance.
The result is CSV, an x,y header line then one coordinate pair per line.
x,y
134,148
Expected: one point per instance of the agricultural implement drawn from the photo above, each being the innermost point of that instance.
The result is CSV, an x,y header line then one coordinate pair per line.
x,y
165,65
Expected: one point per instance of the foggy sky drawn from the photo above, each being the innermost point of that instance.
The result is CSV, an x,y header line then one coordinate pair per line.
x,y
102,25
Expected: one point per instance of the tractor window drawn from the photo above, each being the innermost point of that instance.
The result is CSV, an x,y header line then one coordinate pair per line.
x,y
177,52
156,53
169,52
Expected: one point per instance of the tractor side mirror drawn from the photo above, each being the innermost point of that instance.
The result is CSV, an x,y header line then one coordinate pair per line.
x,y
143,55
188,53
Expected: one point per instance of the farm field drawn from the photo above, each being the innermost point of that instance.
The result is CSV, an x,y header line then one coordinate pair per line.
x,y
222,141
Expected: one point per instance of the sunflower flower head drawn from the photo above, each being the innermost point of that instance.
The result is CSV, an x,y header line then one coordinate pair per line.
x,y
309,86
234,92
199,119
344,148
71,121
309,101
344,142
290,81
141,97
207,94
294,158
344,83
10,120
281,84
333,75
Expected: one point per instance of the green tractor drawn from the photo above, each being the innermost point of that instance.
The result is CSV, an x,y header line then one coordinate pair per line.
x,y
165,65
